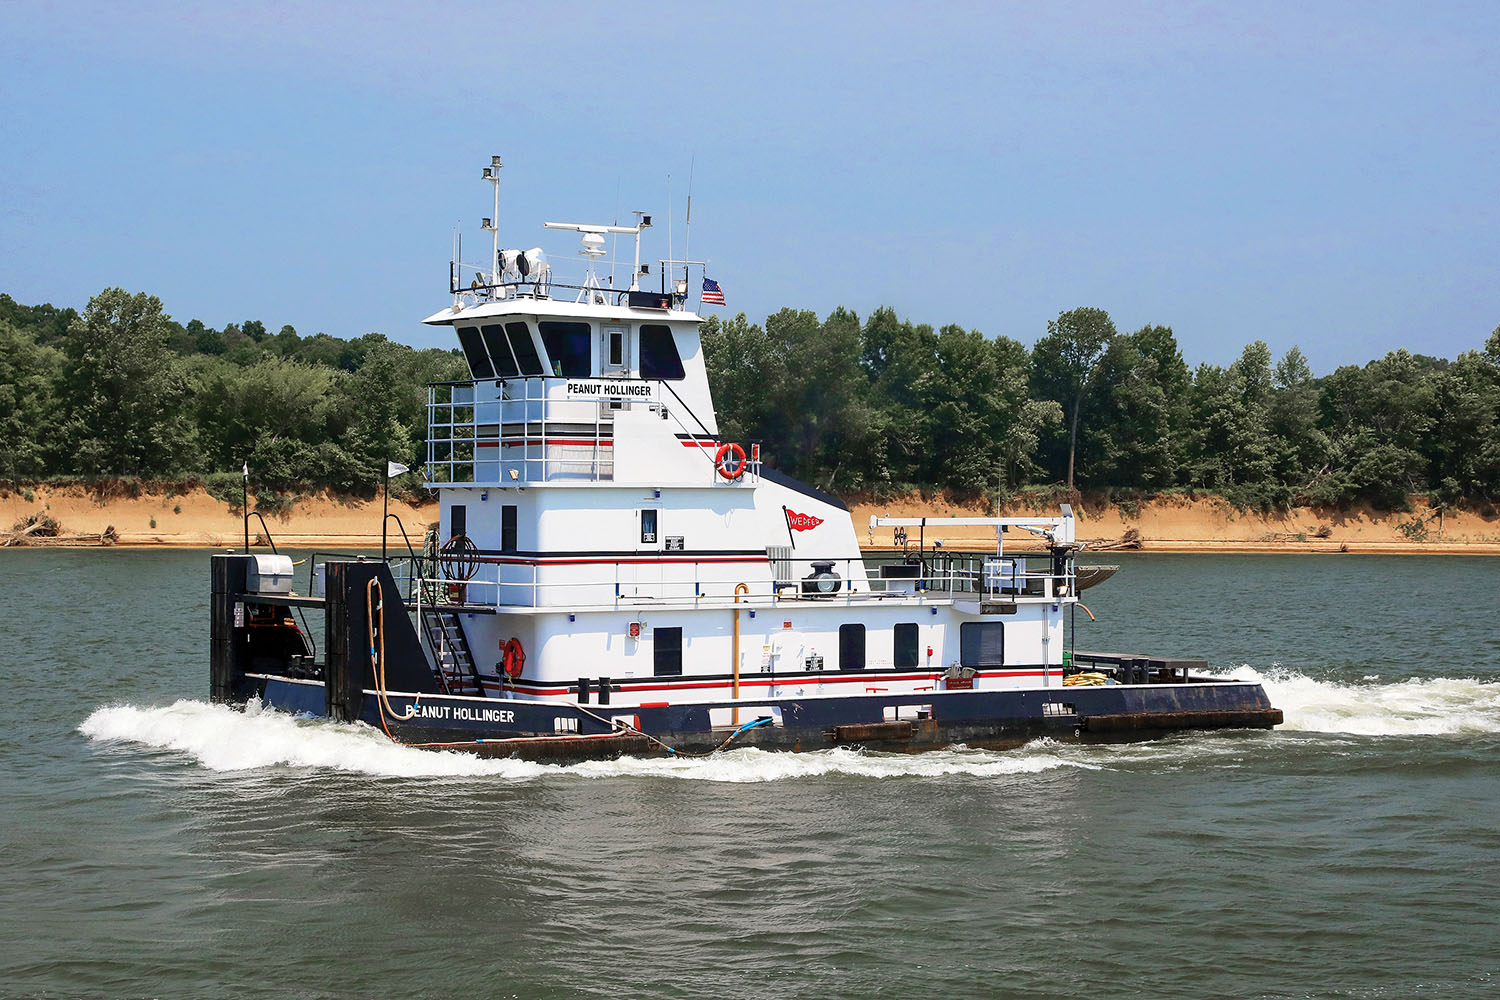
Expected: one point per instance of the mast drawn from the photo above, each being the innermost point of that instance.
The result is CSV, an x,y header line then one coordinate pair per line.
x,y
492,224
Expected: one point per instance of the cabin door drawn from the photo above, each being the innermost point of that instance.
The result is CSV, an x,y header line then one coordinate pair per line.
x,y
648,553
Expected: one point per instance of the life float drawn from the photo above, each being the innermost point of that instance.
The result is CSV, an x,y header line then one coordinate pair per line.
x,y
730,460
514,660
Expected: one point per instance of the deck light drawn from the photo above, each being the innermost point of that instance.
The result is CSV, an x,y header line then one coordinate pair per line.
x,y
489,174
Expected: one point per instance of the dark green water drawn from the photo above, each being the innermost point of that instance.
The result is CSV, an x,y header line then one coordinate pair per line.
x,y
155,846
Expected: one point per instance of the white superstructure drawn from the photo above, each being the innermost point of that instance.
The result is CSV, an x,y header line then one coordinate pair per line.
x,y
594,519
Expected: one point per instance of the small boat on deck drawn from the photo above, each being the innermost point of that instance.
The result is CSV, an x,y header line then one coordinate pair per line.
x,y
614,577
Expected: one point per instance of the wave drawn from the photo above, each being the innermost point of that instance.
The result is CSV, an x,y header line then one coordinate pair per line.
x,y
223,739
1432,706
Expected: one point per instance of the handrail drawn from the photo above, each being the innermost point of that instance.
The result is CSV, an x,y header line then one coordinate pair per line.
x,y
447,431
264,527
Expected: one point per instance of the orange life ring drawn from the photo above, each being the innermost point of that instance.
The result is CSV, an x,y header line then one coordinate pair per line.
x,y
722,460
515,658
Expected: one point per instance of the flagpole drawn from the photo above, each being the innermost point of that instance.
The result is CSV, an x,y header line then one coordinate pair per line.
x,y
245,505
385,488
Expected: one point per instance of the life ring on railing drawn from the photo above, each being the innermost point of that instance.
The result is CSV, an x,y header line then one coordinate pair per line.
x,y
514,659
730,460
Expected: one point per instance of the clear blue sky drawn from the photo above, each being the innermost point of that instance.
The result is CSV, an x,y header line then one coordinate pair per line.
x,y
1321,174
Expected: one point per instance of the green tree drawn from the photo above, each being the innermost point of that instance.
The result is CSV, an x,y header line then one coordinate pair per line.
x,y
1135,413
1064,362
1300,446
29,374
1377,417
123,390
900,361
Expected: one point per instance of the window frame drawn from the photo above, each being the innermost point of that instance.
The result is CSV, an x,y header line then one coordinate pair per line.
x,y
508,519
671,651
496,341
607,333
847,642
969,647
651,331
899,630
512,334
470,330
558,332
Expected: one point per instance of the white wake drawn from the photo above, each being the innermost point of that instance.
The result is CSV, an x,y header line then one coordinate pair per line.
x,y
223,739
1437,706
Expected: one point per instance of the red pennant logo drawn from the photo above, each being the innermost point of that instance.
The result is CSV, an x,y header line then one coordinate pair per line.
x,y
802,522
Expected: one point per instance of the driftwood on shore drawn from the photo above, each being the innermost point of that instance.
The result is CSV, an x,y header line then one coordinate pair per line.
x,y
39,534
1130,540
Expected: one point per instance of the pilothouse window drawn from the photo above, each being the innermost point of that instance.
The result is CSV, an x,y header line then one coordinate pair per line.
x,y
567,347
494,339
523,348
659,357
474,352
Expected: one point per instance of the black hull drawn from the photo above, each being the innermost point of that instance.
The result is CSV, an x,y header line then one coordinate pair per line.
x,y
999,719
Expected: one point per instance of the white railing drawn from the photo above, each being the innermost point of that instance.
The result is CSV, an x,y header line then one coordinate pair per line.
x,y
531,429
511,582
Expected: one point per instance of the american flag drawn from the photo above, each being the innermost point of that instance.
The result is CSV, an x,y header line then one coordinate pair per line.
x,y
712,293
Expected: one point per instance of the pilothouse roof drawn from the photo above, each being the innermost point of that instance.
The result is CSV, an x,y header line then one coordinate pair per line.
x,y
515,282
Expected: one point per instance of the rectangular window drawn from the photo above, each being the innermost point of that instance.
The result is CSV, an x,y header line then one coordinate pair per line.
x,y
567,347
474,352
458,520
508,528
659,357
851,647
616,355
981,644
906,656
648,527
494,339
522,347
667,651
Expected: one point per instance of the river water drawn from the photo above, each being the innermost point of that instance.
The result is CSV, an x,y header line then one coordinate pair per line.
x,y
157,846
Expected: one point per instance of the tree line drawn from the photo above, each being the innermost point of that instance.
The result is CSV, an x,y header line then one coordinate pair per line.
x,y
887,405
880,405
122,390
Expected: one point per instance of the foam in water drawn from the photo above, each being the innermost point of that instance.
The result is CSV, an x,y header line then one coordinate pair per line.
x,y
1437,706
223,739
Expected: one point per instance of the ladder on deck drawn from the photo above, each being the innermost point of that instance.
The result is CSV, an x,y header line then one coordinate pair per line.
x,y
450,651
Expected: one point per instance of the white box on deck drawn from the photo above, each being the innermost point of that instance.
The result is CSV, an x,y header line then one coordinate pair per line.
x,y
269,575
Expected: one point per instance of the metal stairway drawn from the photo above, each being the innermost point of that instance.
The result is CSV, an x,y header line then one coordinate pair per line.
x,y
450,650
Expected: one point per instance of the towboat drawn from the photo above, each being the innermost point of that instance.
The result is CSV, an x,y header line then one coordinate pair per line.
x,y
608,575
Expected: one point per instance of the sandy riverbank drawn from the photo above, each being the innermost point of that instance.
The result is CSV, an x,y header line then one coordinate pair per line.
x,y
194,518
1165,524
1208,524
